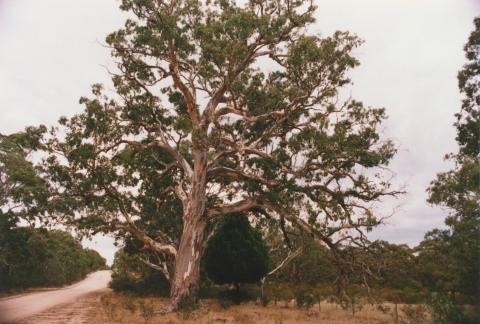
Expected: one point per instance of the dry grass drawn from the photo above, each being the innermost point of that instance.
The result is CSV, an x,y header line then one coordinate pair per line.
x,y
123,308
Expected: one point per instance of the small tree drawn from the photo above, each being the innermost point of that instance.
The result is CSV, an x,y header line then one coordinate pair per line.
x,y
236,253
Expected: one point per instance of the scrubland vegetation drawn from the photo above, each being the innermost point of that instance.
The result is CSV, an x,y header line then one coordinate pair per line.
x,y
407,285
251,204
41,258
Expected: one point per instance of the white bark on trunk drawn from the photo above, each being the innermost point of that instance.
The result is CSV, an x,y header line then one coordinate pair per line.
x,y
185,283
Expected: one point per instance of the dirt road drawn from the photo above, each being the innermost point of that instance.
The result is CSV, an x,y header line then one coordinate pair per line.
x,y
23,306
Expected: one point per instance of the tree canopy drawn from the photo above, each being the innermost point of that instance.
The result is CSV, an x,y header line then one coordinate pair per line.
x,y
459,189
220,108
23,193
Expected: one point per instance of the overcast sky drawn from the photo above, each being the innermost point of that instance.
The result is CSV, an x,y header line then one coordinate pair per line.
x,y
50,54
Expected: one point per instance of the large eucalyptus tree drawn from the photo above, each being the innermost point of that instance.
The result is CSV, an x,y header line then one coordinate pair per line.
x,y
221,108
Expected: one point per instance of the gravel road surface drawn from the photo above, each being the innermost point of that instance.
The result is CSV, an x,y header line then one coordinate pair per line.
x,y
16,308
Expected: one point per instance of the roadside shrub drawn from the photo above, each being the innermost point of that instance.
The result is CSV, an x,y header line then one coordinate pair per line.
x,y
353,298
122,282
234,296
264,300
322,292
129,274
304,296
39,257
226,300
445,311
278,291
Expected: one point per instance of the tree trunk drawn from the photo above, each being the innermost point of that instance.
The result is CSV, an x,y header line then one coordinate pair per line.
x,y
396,313
185,283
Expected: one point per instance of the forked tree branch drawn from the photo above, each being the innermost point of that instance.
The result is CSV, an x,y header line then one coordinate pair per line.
x,y
291,255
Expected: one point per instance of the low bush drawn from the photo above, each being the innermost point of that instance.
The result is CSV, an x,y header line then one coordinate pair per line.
x,y
445,311
129,274
304,296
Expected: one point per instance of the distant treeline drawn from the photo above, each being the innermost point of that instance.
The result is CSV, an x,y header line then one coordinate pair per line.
x,y
397,274
31,257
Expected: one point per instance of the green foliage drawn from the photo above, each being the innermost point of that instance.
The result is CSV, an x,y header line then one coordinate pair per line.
x,y
248,292
32,257
278,291
304,296
134,155
130,274
37,257
227,299
453,255
23,194
197,129
354,297
393,271
397,273
444,310
314,265
468,119
236,253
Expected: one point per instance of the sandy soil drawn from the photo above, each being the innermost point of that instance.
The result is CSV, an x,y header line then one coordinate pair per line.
x,y
77,312
64,303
